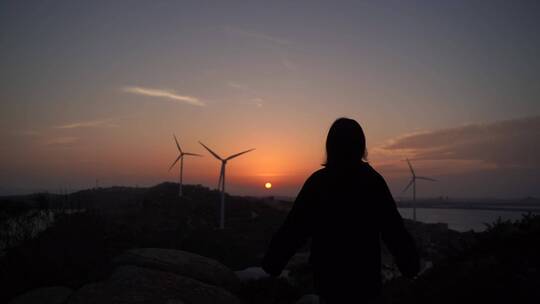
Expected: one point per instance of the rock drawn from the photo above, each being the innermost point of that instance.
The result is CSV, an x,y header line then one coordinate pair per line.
x,y
298,268
47,295
299,260
251,273
183,263
425,266
257,273
309,299
132,284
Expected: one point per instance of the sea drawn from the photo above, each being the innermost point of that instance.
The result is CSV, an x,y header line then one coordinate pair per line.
x,y
462,219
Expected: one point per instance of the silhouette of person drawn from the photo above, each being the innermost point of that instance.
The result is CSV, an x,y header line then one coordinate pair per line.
x,y
346,208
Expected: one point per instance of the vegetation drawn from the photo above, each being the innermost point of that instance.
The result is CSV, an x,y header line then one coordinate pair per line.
x,y
22,220
498,264
80,246
502,265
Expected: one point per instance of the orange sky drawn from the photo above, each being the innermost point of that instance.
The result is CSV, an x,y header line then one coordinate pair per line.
x,y
96,91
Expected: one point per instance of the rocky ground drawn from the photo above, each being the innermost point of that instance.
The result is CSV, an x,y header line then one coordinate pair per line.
x,y
159,249
150,275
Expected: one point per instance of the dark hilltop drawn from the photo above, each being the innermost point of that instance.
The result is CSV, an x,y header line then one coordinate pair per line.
x,y
110,243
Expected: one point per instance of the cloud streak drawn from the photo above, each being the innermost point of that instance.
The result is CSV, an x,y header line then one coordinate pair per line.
x,y
240,87
257,102
28,133
246,90
504,144
278,44
87,124
165,94
62,141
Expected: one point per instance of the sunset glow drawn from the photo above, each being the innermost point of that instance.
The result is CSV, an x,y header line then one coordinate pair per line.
x,y
268,185
105,105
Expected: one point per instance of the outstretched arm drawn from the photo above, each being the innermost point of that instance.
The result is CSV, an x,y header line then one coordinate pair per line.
x,y
395,236
293,233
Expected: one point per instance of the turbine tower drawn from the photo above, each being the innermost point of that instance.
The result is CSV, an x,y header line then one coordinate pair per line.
x,y
413,184
221,183
180,157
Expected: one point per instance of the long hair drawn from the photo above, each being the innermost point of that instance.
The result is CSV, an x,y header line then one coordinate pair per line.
x,y
345,143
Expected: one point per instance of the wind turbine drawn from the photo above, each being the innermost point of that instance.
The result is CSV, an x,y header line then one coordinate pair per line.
x,y
413,184
180,157
221,183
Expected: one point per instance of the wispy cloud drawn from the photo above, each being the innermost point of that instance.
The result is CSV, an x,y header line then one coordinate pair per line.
x,y
62,141
242,87
27,133
87,124
246,90
280,46
235,31
257,102
508,143
287,63
166,94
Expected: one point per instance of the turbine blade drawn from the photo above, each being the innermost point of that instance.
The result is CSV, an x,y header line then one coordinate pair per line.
x,y
410,167
174,163
192,154
409,185
238,154
177,144
212,152
426,178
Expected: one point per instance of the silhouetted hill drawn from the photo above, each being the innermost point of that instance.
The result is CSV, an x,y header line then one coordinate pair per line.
x,y
93,227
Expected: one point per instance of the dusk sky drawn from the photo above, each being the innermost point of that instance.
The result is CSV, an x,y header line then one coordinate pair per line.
x,y
95,90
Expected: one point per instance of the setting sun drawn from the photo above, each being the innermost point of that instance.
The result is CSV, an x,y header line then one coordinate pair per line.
x,y
268,185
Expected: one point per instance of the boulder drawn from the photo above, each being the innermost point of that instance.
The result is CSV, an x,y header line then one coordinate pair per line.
x,y
183,263
132,284
251,274
299,260
309,299
46,295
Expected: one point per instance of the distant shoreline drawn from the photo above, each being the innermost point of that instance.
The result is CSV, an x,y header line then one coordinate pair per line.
x,y
509,209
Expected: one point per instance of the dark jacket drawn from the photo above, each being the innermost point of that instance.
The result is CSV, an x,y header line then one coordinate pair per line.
x,y
346,212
